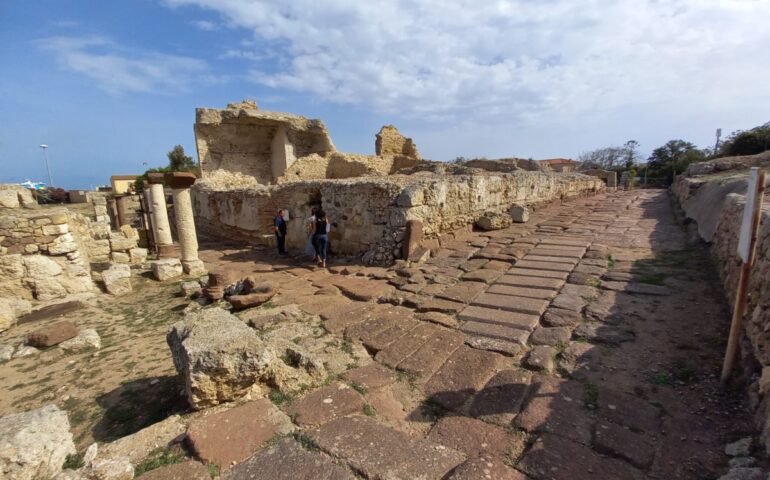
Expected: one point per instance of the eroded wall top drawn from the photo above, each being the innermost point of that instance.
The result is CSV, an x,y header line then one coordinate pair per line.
x,y
391,142
261,144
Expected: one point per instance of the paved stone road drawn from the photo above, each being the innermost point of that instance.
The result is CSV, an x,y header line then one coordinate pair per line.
x,y
540,351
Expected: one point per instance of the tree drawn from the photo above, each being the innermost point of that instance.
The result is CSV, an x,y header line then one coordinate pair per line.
x,y
672,158
611,158
746,142
178,161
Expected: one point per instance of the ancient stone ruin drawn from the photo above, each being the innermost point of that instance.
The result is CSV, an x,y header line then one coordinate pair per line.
x,y
256,162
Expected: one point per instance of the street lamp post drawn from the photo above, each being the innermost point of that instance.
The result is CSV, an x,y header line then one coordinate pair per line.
x,y
47,167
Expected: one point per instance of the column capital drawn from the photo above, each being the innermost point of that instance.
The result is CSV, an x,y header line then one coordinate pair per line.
x,y
155,178
180,179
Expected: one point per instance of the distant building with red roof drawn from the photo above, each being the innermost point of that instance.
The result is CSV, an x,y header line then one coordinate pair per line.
x,y
560,164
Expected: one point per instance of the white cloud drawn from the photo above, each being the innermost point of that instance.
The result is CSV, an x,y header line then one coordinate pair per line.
x,y
118,70
517,59
205,25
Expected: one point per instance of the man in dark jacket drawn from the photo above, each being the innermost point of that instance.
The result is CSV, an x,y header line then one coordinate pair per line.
x,y
279,225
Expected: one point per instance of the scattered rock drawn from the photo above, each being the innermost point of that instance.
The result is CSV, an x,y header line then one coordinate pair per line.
x,y
166,269
6,352
35,444
741,473
541,358
550,335
558,317
494,221
117,279
111,469
740,448
519,213
86,340
189,289
52,334
25,351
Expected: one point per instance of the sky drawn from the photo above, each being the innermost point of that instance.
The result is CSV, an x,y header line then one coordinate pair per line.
x,y
111,86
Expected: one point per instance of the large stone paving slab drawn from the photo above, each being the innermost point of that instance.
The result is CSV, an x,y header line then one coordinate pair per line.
x,y
530,282
533,306
556,458
496,331
548,266
500,400
336,318
431,355
325,404
557,406
463,292
522,291
475,438
522,321
379,452
396,352
371,376
235,434
621,442
483,468
461,376
398,328
287,460
530,272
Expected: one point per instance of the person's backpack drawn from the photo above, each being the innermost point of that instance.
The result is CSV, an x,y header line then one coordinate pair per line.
x,y
320,226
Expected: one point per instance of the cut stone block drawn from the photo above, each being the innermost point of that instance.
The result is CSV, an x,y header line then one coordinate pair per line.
x,y
496,331
52,334
432,354
502,397
396,352
556,406
474,437
371,376
531,272
548,266
530,282
166,269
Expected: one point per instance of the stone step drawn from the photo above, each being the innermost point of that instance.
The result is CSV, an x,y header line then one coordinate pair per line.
x,y
496,331
396,352
522,291
377,451
431,355
511,303
530,282
553,266
531,272
521,321
461,377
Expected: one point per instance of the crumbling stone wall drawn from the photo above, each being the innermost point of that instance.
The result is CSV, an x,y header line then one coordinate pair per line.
x,y
344,165
713,195
369,215
254,142
48,252
391,142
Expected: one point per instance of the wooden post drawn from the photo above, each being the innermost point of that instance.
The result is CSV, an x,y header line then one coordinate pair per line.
x,y
746,246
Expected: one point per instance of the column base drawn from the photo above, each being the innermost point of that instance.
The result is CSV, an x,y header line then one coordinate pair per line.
x,y
194,268
168,251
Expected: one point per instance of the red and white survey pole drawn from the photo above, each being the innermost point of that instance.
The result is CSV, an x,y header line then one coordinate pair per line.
x,y
747,242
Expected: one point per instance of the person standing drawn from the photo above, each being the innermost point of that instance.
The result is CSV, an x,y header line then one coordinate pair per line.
x,y
279,225
321,236
310,247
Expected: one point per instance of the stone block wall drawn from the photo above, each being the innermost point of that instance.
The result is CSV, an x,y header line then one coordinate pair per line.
x,y
716,202
369,215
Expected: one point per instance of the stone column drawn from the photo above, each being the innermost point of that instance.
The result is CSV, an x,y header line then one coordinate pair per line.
x,y
123,213
162,229
180,183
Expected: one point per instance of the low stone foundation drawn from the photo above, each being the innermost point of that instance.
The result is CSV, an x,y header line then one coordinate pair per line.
x,y
369,214
715,201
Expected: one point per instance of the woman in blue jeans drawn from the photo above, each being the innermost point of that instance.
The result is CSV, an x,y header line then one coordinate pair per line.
x,y
321,237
